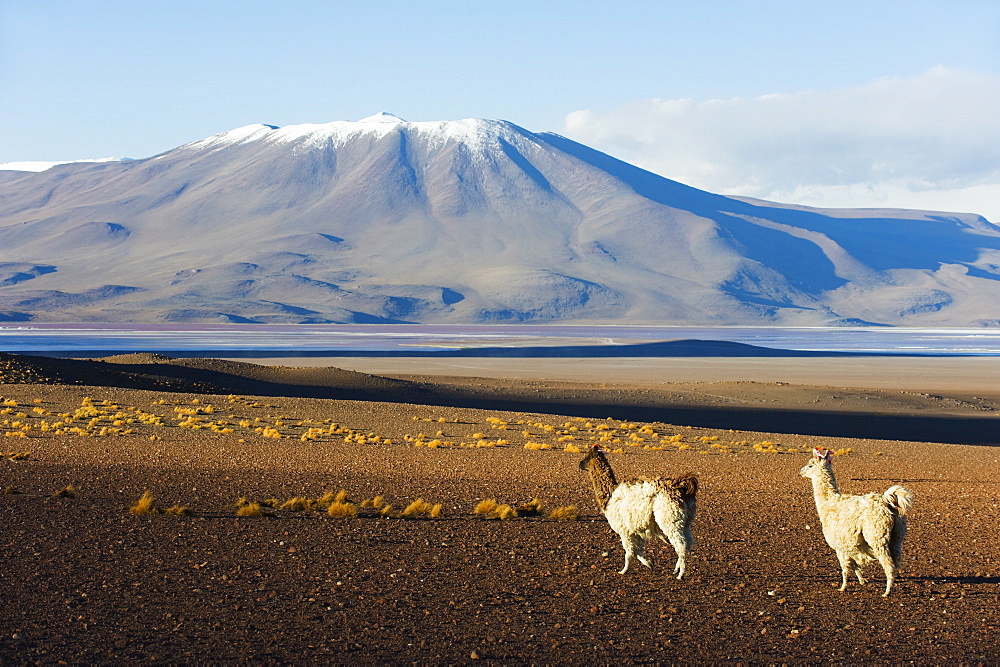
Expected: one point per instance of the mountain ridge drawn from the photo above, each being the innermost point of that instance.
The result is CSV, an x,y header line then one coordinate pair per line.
x,y
385,220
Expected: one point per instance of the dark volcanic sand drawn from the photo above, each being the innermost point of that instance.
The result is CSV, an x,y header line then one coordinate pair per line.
x,y
85,581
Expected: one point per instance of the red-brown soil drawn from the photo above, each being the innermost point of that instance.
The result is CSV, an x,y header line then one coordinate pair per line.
x,y
83,580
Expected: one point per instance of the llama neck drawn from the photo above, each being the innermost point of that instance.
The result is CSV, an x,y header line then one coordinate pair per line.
x,y
603,478
824,487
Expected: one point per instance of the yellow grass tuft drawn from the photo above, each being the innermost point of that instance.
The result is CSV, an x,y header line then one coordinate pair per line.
x,y
504,512
416,508
567,513
486,506
386,510
250,509
68,491
326,499
178,510
298,504
490,509
531,508
342,510
535,446
145,505
329,498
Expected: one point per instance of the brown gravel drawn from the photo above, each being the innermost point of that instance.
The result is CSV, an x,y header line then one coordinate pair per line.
x,y
85,581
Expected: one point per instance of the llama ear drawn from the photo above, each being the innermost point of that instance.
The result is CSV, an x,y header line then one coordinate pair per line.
x,y
820,454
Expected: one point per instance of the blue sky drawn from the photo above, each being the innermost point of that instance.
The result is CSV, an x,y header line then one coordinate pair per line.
x,y
848,103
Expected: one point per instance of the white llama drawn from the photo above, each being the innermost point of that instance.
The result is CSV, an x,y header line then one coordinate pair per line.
x,y
861,529
641,509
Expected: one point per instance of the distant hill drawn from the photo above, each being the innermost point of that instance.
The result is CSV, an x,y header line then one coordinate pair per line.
x,y
470,221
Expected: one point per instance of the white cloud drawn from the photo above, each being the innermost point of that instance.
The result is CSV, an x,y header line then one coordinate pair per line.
x,y
930,141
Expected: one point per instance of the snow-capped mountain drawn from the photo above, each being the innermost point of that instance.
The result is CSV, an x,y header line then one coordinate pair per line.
x,y
463,221
42,165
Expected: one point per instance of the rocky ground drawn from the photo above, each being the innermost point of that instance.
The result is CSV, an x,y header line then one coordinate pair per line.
x,y
85,580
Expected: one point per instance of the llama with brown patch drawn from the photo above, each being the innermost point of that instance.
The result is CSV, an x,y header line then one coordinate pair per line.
x,y
641,509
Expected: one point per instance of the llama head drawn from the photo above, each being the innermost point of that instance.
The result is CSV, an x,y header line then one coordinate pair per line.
x,y
820,460
596,452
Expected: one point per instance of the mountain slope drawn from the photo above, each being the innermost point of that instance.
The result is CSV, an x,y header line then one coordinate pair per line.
x,y
467,221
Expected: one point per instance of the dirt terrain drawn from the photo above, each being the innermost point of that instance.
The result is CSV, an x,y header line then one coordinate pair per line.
x,y
85,580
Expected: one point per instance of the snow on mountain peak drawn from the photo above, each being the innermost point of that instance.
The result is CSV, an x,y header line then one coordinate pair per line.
x,y
475,133
37,166
236,136
382,117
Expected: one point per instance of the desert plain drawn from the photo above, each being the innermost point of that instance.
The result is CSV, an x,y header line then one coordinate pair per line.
x,y
85,579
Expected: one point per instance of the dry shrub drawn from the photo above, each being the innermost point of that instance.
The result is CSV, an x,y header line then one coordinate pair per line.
x,y
436,512
536,446
342,510
331,498
491,510
298,504
416,508
385,510
145,505
487,506
504,512
179,510
68,491
567,513
10,491
250,509
531,508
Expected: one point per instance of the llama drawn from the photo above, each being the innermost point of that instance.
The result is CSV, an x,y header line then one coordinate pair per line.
x,y
861,529
641,509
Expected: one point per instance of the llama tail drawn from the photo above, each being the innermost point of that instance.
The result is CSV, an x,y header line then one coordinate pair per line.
x,y
687,485
899,499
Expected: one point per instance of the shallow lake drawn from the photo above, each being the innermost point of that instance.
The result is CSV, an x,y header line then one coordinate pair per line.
x,y
398,340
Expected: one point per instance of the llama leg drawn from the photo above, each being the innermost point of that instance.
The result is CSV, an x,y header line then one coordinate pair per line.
x,y
670,522
632,546
680,548
896,540
857,572
846,566
628,561
639,541
639,553
889,567
680,544
896,552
